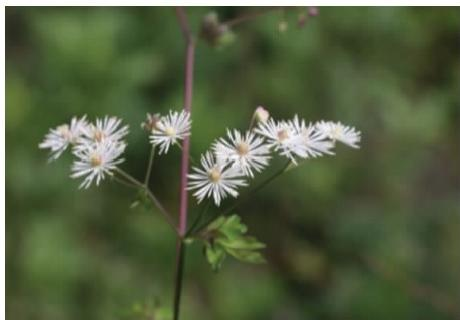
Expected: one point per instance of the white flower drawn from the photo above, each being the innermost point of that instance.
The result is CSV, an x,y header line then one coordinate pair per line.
x,y
248,152
96,160
175,126
215,179
316,142
107,129
60,138
336,131
283,137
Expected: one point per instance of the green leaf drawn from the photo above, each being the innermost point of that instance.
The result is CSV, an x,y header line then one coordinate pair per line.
x,y
244,243
246,255
216,224
215,255
232,227
163,313
227,235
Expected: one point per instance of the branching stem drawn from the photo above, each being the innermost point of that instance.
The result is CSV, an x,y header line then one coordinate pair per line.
x,y
149,167
134,182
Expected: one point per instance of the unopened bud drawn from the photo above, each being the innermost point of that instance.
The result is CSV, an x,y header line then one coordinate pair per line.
x,y
214,32
313,11
261,114
301,20
151,122
283,26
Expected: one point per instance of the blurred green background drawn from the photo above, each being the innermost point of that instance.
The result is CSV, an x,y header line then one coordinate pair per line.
x,y
368,234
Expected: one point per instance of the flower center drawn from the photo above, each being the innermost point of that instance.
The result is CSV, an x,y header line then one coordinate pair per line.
x,y
336,133
214,175
96,160
306,135
99,135
283,135
242,149
170,131
64,131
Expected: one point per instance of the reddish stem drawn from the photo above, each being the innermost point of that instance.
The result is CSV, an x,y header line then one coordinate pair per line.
x,y
188,88
189,61
183,207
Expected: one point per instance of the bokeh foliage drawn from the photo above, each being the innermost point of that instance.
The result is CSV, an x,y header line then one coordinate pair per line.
x,y
368,234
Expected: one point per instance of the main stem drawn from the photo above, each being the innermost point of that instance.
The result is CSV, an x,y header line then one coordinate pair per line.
x,y
183,206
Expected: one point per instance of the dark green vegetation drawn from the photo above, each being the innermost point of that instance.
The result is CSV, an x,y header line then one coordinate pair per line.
x,y
369,234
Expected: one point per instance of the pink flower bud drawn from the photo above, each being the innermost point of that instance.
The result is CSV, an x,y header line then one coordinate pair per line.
x,y
261,114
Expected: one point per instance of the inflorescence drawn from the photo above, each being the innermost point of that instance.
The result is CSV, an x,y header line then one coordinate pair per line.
x,y
231,161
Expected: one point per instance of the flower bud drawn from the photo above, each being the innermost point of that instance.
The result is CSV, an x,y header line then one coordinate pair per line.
x,y
151,122
313,11
214,32
283,26
301,20
261,114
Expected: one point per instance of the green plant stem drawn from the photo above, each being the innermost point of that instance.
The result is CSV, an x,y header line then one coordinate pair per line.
x,y
151,196
149,166
253,121
258,188
179,272
198,218
123,182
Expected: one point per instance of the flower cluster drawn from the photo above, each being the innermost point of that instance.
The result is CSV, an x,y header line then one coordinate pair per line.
x,y
235,158
97,146
231,161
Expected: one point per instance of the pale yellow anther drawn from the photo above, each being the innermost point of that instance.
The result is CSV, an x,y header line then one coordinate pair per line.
x,y
242,149
170,131
214,175
283,135
64,131
336,132
96,160
305,135
98,135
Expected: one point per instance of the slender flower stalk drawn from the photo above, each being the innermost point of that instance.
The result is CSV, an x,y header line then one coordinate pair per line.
x,y
149,167
150,195
198,218
247,195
